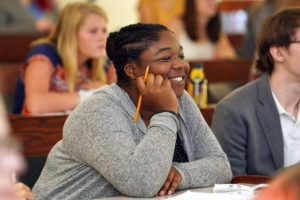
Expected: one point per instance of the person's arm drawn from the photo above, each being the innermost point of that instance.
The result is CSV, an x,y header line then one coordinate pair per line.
x,y
211,164
135,159
176,26
38,97
135,168
231,132
20,191
224,49
146,12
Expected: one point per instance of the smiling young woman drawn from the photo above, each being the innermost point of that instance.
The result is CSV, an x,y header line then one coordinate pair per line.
x,y
105,153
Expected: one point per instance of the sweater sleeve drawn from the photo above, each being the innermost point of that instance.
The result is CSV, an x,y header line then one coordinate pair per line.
x,y
104,139
210,165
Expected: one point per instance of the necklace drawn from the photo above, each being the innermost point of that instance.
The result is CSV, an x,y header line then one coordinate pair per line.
x,y
83,77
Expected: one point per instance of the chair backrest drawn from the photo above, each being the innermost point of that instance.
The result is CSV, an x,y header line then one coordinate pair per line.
x,y
8,77
208,113
15,47
38,133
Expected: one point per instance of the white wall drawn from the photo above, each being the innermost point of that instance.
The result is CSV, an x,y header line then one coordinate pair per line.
x,y
120,12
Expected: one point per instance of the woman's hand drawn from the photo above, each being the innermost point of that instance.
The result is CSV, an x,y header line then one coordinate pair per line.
x,y
171,183
21,191
157,93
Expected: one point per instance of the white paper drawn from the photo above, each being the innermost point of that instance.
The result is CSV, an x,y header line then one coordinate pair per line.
x,y
188,195
237,189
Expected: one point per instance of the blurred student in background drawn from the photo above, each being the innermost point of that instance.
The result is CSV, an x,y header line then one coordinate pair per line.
x,y
160,11
200,33
60,70
45,13
11,163
260,11
286,186
258,125
25,17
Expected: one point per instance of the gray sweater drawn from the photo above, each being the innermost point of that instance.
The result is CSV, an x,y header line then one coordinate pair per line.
x,y
104,153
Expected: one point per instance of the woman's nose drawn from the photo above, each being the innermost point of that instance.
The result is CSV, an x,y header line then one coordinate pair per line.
x,y
179,63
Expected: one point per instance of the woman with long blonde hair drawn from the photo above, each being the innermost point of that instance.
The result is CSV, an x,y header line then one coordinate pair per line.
x,y
61,69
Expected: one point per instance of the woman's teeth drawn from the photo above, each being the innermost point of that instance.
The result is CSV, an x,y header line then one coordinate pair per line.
x,y
179,78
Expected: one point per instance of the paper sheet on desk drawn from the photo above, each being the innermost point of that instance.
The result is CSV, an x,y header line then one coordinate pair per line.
x,y
188,195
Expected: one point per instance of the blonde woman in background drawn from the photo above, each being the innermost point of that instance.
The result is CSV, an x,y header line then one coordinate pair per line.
x,y
11,163
61,70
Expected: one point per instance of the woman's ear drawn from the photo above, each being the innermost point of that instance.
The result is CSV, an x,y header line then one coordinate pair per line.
x,y
130,70
277,53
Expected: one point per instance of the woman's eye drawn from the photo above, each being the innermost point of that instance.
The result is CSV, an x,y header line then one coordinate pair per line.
x,y
166,58
93,31
181,57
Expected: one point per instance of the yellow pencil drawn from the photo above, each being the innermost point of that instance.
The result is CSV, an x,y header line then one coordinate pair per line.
x,y
140,99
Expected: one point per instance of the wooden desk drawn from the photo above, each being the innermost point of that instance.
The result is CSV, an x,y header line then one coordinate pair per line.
x,y
205,196
228,71
230,5
38,133
8,76
236,40
15,47
248,180
252,179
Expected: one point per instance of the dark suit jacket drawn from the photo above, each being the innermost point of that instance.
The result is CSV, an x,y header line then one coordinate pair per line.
x,y
247,125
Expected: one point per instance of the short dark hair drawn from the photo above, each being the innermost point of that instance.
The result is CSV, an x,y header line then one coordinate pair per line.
x,y
277,30
129,43
213,26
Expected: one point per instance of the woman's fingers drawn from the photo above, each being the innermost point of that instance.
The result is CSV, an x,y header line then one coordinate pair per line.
x,y
171,183
175,183
22,192
166,184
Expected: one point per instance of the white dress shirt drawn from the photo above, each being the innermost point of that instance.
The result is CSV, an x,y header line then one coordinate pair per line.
x,y
291,134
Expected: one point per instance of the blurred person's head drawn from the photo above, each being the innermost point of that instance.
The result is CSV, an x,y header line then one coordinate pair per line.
x,y
80,34
11,161
285,186
199,11
136,46
278,30
206,8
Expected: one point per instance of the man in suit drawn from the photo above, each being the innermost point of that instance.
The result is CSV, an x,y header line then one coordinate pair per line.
x,y
258,125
